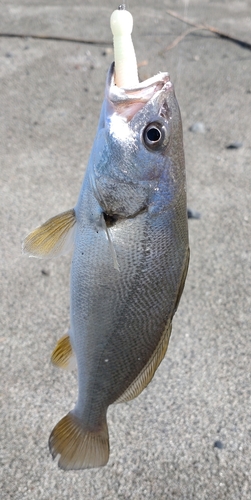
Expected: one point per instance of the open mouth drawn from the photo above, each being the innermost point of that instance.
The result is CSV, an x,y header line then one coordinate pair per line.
x,y
128,101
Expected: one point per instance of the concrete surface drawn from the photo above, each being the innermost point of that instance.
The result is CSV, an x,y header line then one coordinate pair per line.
x,y
188,435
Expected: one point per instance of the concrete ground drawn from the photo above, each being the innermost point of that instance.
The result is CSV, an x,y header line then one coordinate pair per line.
x,y
188,435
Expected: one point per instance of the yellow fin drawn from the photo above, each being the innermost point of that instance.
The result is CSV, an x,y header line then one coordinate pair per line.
x,y
146,375
77,447
63,355
55,237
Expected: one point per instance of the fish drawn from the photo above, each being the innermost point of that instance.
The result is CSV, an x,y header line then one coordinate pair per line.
x,y
129,236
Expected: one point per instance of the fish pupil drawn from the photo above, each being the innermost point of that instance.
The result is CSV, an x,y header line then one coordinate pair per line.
x,y
153,134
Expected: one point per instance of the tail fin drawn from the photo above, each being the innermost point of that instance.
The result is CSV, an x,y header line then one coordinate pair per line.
x,y
78,448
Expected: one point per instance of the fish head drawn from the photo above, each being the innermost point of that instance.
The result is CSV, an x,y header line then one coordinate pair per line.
x,y
137,161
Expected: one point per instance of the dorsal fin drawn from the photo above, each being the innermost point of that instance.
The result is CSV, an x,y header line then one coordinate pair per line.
x,y
146,375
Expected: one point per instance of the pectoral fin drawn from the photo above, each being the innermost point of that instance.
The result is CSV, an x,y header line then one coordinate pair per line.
x,y
55,237
146,375
63,355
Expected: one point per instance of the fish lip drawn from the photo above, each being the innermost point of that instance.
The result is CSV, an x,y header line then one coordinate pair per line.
x,y
127,101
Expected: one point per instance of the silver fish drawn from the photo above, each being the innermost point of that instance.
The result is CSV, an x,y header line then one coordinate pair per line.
x,y
130,237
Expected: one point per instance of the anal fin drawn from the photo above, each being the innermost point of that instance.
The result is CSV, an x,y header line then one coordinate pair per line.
x,y
79,448
63,355
146,375
53,238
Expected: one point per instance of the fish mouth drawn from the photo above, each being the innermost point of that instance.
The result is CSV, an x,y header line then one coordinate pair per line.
x,y
126,102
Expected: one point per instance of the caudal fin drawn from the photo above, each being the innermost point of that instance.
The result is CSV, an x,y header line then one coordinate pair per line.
x,y
77,447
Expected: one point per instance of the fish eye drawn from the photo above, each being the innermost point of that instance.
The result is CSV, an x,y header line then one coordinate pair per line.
x,y
155,135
